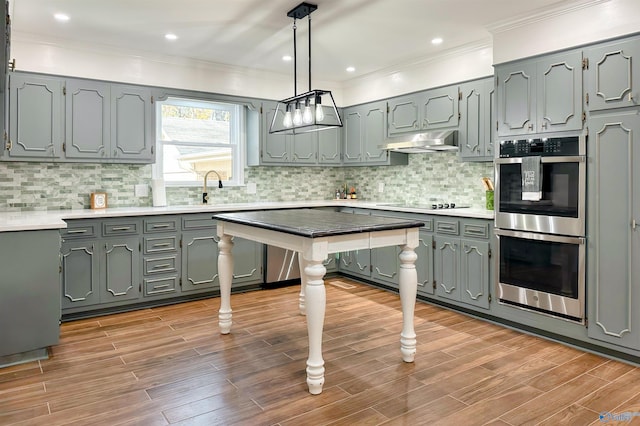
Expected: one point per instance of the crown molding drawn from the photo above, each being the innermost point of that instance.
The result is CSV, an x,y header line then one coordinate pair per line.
x,y
541,15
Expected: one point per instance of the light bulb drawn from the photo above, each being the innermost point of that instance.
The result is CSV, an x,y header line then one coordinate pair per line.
x,y
297,115
319,112
288,121
307,115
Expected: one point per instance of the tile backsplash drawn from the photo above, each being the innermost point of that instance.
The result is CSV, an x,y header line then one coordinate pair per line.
x,y
427,178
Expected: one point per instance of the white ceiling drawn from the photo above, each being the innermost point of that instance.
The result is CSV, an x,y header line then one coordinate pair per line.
x,y
370,35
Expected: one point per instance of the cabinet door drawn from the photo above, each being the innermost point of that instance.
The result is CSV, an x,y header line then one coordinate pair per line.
x,y
80,273
305,148
614,75
559,88
88,119
474,121
404,115
356,262
385,265
353,123
247,262
614,228
440,108
516,88
120,270
35,118
474,273
276,146
447,267
330,143
374,131
200,260
131,124
424,264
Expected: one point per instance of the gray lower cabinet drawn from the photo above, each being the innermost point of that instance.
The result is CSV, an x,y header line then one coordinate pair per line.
x,y
36,125
160,256
540,95
120,277
477,110
462,266
200,260
80,272
365,128
613,228
613,74
30,291
356,262
424,264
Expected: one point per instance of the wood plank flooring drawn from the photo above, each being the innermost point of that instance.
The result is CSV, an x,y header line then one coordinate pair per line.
x,y
170,365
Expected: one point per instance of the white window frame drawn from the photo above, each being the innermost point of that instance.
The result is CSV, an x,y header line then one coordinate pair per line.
x,y
237,129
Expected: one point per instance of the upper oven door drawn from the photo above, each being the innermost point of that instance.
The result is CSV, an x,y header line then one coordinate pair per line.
x,y
561,209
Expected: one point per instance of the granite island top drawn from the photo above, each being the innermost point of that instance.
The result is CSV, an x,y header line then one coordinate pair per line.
x,y
55,219
316,223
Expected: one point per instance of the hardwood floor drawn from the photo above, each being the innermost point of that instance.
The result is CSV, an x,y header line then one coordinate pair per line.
x,y
170,365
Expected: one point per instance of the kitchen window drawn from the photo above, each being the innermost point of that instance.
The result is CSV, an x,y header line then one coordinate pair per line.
x,y
195,136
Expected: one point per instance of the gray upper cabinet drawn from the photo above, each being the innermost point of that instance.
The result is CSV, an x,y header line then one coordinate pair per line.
x,y
131,124
614,228
540,95
427,110
88,114
313,148
35,118
614,75
78,121
365,129
477,110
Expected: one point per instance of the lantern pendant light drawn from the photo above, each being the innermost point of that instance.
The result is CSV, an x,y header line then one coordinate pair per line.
x,y
305,112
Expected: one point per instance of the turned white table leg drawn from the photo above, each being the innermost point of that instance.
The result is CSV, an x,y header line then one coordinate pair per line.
x,y
225,273
408,287
303,283
316,299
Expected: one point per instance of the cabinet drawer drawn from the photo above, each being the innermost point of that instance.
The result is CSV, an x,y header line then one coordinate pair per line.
x,y
160,265
119,228
475,230
160,244
198,221
448,227
162,224
428,223
155,286
79,230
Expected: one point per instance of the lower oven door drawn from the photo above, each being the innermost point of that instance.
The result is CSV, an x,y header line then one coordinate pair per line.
x,y
542,272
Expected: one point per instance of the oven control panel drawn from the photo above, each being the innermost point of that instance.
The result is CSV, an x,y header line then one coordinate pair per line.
x,y
544,147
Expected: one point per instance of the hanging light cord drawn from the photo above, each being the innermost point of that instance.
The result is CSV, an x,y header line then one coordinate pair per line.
x,y
295,61
309,16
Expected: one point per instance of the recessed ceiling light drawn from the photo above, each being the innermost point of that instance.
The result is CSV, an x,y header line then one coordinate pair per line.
x,y
61,17
351,69
437,40
170,36
287,58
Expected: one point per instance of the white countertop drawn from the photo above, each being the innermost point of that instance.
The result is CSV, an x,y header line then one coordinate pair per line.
x,y
38,220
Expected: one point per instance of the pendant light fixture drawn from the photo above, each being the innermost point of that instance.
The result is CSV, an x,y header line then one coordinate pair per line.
x,y
305,112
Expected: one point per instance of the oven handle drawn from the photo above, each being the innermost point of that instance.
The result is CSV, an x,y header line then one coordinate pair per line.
x,y
544,160
539,237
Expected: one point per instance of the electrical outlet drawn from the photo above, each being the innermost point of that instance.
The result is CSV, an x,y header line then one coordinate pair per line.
x,y
141,190
380,186
251,188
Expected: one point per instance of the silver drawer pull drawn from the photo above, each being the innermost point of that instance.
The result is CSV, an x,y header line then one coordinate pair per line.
x,y
475,231
162,245
77,231
164,225
156,287
447,227
164,265
121,228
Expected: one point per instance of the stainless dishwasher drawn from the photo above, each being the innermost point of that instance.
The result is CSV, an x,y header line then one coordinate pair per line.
x,y
282,265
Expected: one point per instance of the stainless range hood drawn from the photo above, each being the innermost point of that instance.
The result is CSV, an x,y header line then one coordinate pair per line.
x,y
443,140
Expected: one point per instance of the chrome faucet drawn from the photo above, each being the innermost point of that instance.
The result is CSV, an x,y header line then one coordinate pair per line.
x,y
205,196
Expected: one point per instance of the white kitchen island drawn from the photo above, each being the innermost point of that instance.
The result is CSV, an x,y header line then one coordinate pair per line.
x,y
315,234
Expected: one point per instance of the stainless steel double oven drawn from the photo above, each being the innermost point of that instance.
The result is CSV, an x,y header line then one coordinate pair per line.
x,y
541,244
